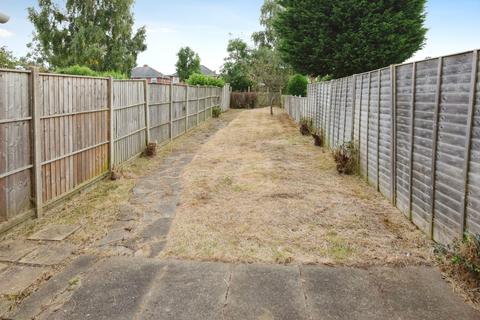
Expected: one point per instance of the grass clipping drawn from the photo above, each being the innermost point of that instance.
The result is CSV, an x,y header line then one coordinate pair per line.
x,y
258,191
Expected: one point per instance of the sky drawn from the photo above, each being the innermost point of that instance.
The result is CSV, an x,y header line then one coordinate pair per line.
x,y
207,25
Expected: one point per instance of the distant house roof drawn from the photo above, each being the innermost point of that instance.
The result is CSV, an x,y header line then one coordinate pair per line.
x,y
146,72
207,71
203,70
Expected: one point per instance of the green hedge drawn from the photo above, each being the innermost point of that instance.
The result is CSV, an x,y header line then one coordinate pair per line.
x,y
86,71
198,79
297,86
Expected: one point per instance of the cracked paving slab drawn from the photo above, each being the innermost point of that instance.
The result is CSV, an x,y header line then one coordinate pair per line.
x,y
140,288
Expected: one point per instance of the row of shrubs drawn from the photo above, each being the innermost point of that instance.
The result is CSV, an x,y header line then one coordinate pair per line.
x,y
86,71
345,156
198,79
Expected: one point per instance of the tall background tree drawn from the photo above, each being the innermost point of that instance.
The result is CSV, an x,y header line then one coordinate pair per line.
x,y
268,13
94,33
343,37
188,63
7,60
236,69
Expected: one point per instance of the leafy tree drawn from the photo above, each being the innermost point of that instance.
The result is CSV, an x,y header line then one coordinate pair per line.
x,y
269,70
7,60
342,37
268,13
297,86
93,33
236,69
188,63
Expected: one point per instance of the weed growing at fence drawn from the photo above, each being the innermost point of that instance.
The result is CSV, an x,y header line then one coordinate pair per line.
x,y
346,158
461,261
151,149
216,111
319,137
306,126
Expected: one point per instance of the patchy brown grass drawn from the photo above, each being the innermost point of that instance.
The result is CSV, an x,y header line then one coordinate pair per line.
x,y
96,208
260,192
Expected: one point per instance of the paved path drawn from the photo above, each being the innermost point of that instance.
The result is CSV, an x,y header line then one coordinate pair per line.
x,y
142,288
130,281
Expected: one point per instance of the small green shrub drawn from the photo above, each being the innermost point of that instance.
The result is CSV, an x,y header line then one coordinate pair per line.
x,y
297,85
86,71
198,79
216,111
306,126
345,157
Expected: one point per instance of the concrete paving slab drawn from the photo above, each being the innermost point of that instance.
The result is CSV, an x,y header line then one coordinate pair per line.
x,y
56,232
265,292
396,293
342,293
12,251
113,290
48,295
157,229
114,236
188,290
49,255
420,293
15,279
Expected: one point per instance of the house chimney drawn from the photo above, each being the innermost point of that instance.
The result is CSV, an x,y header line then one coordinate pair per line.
x,y
145,65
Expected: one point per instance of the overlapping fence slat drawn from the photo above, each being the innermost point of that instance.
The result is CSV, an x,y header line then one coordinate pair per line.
x,y
59,133
417,128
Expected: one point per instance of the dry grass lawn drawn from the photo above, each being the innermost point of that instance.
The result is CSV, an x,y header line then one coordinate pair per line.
x,y
258,191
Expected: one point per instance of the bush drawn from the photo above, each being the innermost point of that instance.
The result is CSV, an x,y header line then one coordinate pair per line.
x,y
86,71
216,111
243,100
319,138
306,126
461,261
297,85
346,158
198,79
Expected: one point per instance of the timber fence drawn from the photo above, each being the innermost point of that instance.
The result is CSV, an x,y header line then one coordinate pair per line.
x,y
59,133
417,129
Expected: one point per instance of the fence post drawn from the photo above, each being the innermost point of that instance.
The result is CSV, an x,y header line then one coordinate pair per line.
x,y
468,140
147,112
36,140
354,107
393,138
345,111
170,111
379,88
368,119
412,141
111,126
186,107
198,104
434,145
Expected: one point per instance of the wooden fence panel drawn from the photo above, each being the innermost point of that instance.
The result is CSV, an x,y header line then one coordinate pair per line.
x,y
404,91
15,144
74,142
159,104
129,128
472,204
452,132
417,126
384,136
373,134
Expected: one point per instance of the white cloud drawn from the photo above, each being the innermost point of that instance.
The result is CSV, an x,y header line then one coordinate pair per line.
x,y
5,33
